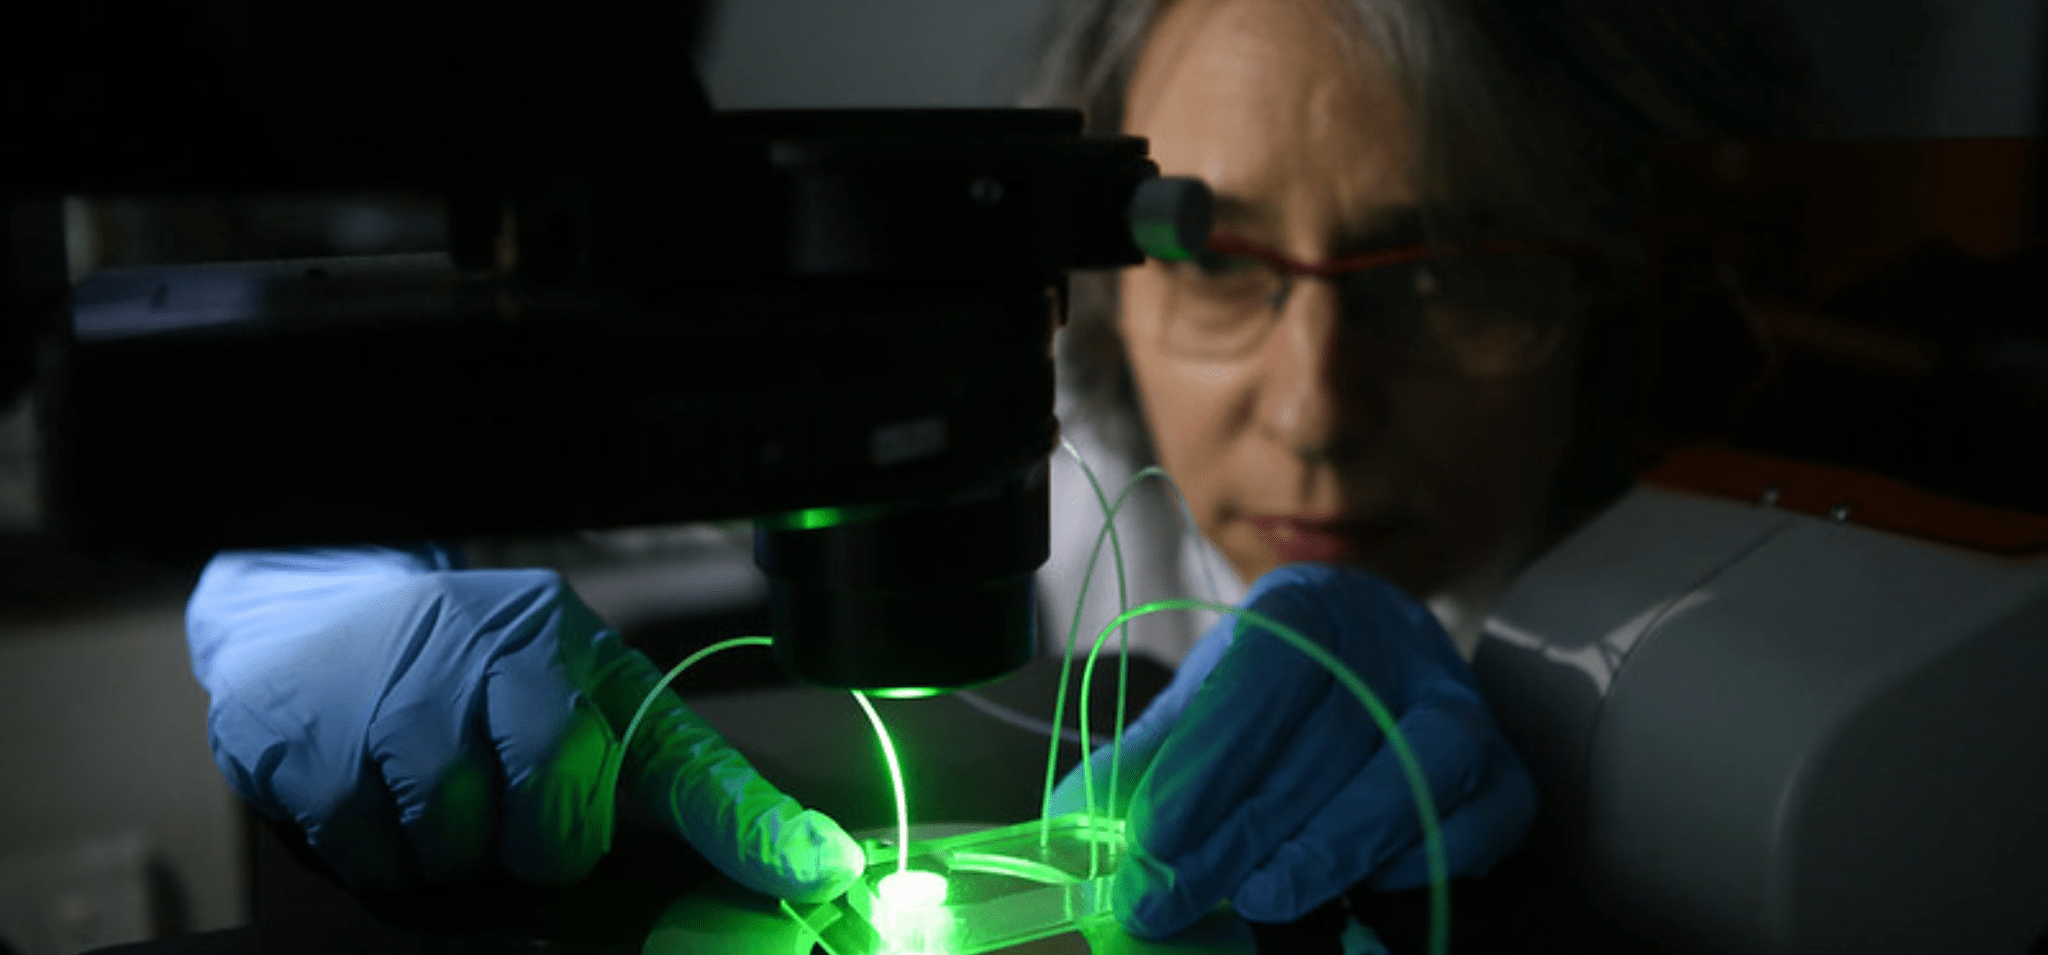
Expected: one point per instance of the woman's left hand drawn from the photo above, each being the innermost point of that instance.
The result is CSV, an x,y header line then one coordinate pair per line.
x,y
1257,777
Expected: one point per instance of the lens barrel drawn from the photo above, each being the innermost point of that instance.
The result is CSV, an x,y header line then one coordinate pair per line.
x,y
929,597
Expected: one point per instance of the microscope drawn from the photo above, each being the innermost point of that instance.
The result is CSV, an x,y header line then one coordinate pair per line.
x,y
1734,686
836,323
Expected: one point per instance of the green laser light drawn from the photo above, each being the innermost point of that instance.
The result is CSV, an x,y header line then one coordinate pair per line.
x,y
910,914
812,519
905,692
912,889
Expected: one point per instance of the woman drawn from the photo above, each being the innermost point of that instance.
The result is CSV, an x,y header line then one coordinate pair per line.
x,y
1404,354
1380,367
1438,120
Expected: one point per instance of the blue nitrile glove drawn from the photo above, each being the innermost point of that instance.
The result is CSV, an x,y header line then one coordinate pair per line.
x,y
423,723
1258,778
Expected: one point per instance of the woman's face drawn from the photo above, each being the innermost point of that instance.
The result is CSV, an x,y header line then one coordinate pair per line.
x,y
1319,443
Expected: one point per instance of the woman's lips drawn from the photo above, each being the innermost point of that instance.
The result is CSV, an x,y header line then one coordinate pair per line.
x,y
1300,539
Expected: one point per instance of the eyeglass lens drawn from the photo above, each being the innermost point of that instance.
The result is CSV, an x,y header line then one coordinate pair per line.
x,y
1222,306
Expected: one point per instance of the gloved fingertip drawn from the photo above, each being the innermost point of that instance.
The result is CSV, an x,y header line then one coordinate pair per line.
x,y
818,860
1269,897
1147,898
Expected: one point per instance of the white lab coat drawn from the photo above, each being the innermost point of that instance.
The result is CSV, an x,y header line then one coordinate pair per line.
x,y
1162,558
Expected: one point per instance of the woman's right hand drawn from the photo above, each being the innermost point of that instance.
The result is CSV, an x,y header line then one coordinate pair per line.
x,y
423,723
1257,777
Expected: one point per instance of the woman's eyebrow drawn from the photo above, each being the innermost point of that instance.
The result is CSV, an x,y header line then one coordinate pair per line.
x,y
1384,226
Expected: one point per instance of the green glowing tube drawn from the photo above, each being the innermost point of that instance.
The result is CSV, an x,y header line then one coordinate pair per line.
x,y
1116,757
617,760
1418,787
1109,533
896,779
1059,705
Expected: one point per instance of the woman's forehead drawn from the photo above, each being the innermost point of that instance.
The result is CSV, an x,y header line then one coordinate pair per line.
x,y
1267,102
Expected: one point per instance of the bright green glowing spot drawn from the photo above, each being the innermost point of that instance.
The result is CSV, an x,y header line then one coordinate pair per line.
x,y
819,518
1002,893
895,777
906,692
814,518
912,889
911,917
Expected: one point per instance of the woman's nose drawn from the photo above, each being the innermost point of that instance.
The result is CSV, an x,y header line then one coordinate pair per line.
x,y
1311,400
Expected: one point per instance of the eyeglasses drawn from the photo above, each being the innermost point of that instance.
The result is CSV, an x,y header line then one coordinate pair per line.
x,y
1489,308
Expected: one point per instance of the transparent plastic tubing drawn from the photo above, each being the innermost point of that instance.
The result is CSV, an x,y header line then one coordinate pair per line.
x,y
1109,533
618,757
895,778
1059,705
614,763
1425,807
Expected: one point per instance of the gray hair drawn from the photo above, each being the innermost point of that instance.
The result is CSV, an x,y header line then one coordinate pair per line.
x,y
1549,109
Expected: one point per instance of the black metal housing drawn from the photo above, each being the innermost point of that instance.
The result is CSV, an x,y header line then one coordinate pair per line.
x,y
925,597
648,312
